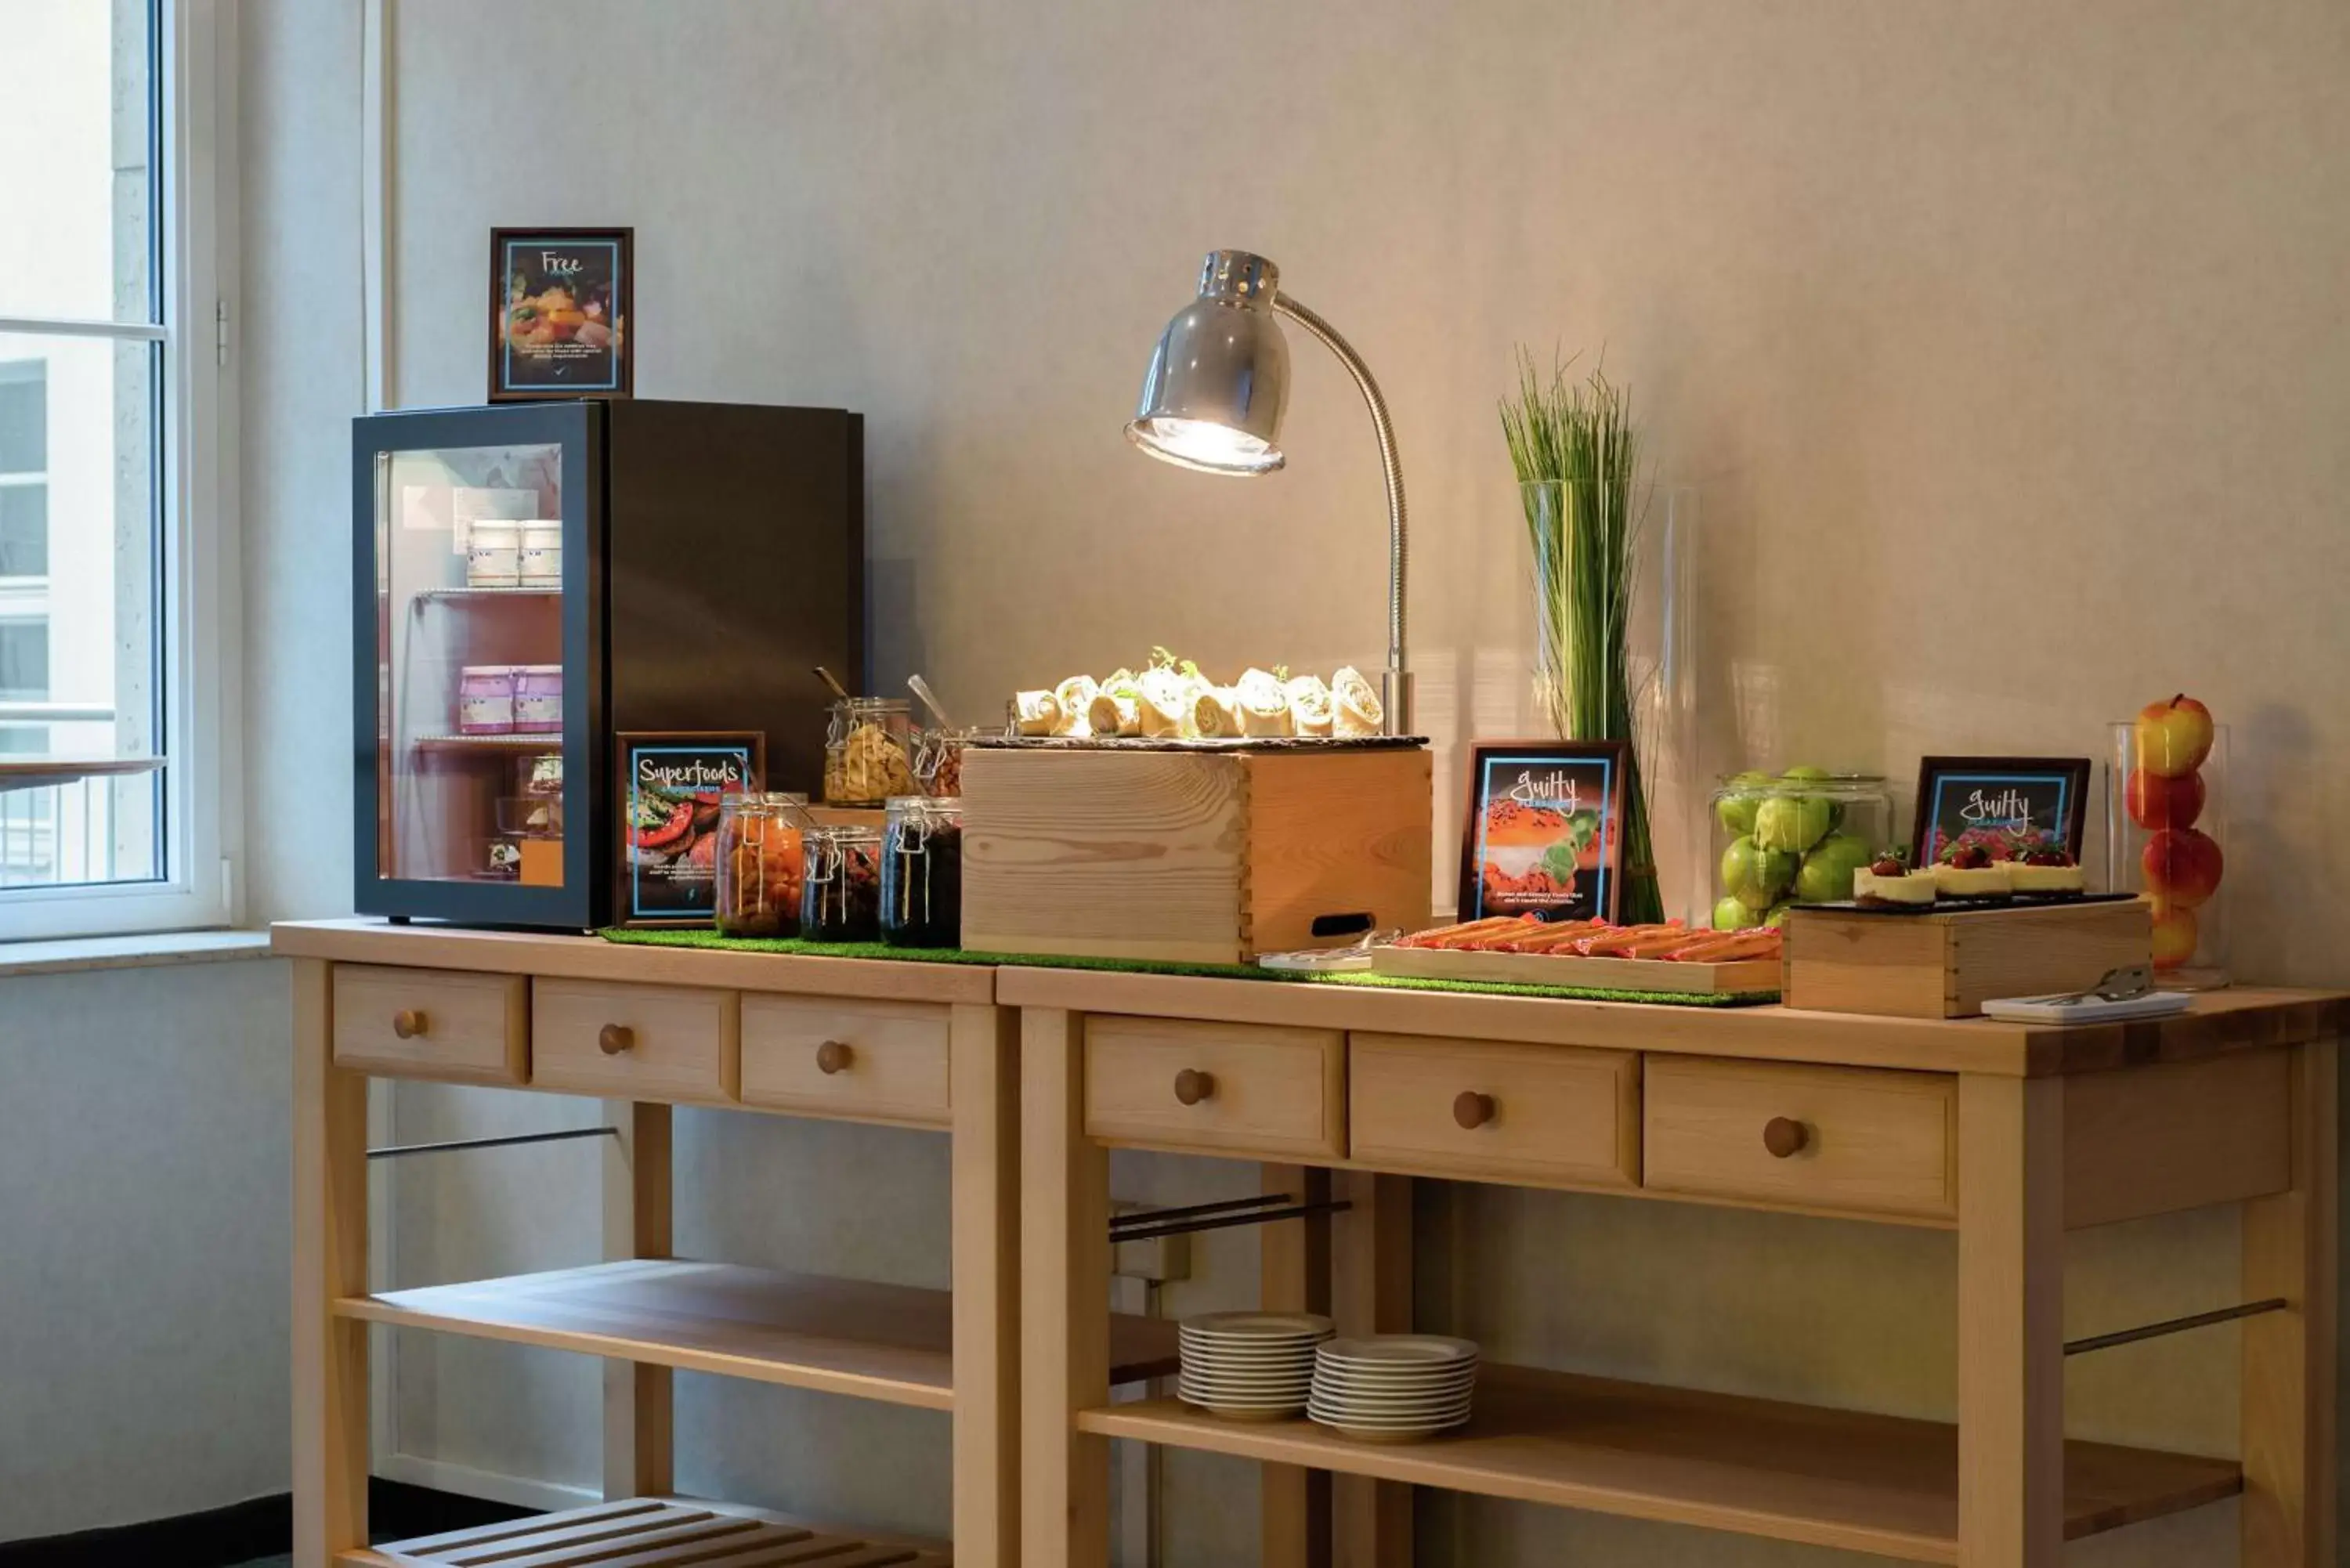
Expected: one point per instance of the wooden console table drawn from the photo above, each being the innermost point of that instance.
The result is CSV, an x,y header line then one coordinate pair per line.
x,y
644,1029
2007,1133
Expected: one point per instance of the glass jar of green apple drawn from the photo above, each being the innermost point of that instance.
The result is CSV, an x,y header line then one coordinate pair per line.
x,y
1793,838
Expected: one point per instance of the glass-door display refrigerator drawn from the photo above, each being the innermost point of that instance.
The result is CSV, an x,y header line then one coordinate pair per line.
x,y
533,581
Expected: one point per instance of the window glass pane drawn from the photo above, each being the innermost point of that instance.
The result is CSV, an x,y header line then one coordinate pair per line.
x,y
24,529
24,660
75,129
24,415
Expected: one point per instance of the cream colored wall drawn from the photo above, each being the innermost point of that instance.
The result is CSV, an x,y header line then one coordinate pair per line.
x,y
2006,341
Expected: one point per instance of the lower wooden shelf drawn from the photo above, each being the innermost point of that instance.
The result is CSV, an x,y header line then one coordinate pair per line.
x,y
1878,1484
652,1533
890,1342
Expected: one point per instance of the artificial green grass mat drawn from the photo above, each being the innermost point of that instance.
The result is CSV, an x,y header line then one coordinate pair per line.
x,y
699,939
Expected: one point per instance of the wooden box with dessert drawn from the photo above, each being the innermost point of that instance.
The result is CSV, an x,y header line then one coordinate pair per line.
x,y
1939,941
1156,815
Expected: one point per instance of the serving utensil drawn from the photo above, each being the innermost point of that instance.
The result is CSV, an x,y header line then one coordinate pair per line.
x,y
921,689
832,680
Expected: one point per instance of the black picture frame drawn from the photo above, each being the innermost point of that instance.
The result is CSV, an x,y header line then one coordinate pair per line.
x,y
597,270
2050,793
662,885
1547,772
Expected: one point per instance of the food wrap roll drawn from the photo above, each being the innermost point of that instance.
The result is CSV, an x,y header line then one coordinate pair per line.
x,y
1309,705
1112,714
1036,712
1075,695
1163,707
1215,714
1355,704
1264,706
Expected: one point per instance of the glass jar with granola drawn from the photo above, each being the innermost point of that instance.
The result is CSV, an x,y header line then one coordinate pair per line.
x,y
868,750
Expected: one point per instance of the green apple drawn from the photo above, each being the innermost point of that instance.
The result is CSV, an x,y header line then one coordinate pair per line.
x,y
1808,775
1792,823
1777,913
1826,873
1736,809
1730,915
1755,876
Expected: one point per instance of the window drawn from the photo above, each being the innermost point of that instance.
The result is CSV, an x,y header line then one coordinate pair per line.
x,y
112,559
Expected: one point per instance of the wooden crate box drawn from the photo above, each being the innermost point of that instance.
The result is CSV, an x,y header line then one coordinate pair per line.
x,y
1949,963
1193,857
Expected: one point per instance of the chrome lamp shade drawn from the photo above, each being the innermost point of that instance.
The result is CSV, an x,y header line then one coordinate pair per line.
x,y
1212,400
1218,380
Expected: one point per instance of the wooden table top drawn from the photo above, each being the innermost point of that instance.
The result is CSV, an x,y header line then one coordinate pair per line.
x,y
2240,1018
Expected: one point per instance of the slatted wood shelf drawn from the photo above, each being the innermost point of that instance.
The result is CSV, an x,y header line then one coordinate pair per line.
x,y
650,1532
1860,1483
888,1342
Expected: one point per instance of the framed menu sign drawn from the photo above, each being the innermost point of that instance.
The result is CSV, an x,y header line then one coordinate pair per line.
x,y
1542,837
670,789
1997,802
560,300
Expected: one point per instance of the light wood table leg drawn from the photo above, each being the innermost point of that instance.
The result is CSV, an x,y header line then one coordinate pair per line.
x,y
330,1359
1293,1275
986,1074
1370,1292
1064,1301
639,1419
2011,1321
2289,1421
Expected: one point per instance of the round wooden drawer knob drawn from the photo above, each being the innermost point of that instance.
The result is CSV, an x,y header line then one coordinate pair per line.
x,y
833,1056
615,1038
1785,1137
407,1024
1472,1109
1191,1085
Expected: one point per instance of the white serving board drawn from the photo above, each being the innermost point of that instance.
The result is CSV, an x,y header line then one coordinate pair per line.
x,y
1588,973
2094,1010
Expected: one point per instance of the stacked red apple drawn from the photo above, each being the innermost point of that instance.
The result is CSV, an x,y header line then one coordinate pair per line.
x,y
2164,795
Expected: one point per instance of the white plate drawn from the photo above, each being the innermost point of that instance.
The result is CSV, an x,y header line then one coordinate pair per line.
x,y
1297,1389
1257,1325
1394,1410
1269,1406
1396,1376
1385,1430
1301,1352
1399,1350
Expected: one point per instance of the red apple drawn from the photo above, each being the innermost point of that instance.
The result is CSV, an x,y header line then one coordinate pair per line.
x,y
2173,736
2182,866
2174,935
2156,802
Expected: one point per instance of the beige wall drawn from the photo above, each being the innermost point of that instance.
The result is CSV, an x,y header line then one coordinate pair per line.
x,y
2006,342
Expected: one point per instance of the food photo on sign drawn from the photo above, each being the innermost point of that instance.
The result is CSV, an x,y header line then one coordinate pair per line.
x,y
1543,835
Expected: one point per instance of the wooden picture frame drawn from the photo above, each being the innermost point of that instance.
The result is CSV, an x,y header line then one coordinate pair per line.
x,y
662,878
2002,795
551,291
1551,784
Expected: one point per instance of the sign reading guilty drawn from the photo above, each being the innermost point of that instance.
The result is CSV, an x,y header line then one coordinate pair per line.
x,y
559,309
2006,805
1541,836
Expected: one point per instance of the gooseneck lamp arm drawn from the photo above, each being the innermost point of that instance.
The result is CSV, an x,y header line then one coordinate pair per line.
x,y
1214,397
1396,695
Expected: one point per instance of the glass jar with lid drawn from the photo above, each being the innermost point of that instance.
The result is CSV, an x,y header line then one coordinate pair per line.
x,y
840,896
938,759
922,873
760,863
868,750
1795,837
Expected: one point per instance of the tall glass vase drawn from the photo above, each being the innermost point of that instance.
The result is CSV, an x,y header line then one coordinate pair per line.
x,y
1614,577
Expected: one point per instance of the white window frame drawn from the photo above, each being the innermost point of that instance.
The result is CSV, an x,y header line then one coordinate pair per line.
x,y
200,565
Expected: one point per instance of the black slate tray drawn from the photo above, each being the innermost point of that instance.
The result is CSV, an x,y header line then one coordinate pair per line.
x,y
1967,906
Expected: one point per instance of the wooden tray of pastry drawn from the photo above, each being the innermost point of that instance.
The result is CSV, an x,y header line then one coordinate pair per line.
x,y
1575,972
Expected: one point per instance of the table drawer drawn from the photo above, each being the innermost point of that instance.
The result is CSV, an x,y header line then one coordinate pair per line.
x,y
866,1061
1223,1087
634,1042
1854,1139
432,1023
1537,1114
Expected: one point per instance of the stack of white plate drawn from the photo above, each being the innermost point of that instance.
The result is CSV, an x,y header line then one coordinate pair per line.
x,y
1249,1366
1393,1388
